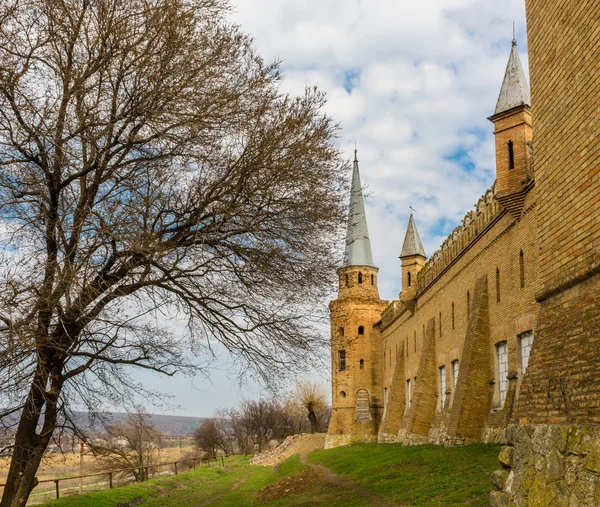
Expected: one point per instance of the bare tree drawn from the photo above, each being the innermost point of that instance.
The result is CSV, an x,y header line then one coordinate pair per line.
x,y
132,444
312,399
151,169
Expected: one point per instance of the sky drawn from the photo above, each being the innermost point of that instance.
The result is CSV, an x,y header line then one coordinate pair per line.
x,y
412,84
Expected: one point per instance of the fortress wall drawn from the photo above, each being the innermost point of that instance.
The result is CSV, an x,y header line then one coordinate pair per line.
x,y
552,457
497,247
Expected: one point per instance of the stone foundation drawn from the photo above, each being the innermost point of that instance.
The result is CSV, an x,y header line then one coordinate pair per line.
x,y
545,465
342,440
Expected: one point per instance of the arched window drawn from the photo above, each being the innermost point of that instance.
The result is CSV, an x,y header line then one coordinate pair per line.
x,y
511,155
497,285
372,279
522,268
361,330
452,315
362,364
359,277
409,281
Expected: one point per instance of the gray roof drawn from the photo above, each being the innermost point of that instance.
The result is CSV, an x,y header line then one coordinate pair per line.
x,y
412,241
358,246
515,90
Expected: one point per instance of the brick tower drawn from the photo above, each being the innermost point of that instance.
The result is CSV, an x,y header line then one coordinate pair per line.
x,y
413,259
356,378
513,132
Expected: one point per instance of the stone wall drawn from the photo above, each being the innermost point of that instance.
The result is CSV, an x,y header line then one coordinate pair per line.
x,y
546,465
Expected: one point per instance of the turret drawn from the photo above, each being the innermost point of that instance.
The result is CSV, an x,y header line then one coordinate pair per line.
x,y
413,259
355,345
513,132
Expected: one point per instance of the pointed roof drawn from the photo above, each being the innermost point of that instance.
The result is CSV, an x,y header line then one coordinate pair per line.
x,y
358,246
515,90
412,241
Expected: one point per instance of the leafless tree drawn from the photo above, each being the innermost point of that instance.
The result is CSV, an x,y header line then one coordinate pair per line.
x,y
132,444
311,398
151,169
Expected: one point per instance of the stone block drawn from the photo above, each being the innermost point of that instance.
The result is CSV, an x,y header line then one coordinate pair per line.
x,y
506,456
499,478
498,499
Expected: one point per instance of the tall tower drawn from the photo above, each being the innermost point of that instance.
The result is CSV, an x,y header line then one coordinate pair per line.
x,y
413,259
513,132
357,400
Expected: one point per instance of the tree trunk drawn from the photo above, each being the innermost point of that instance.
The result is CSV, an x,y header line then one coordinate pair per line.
x,y
29,445
312,417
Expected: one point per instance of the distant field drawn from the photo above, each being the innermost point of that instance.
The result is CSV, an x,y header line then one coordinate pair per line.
x,y
360,475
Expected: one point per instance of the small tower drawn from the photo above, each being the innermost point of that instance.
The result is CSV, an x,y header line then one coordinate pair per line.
x,y
513,132
413,259
356,379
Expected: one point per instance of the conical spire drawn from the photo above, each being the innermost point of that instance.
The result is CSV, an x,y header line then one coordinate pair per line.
x,y
515,90
412,241
358,246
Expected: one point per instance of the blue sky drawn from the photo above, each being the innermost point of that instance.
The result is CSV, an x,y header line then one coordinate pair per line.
x,y
412,83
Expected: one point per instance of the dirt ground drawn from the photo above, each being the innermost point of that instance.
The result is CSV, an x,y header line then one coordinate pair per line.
x,y
296,444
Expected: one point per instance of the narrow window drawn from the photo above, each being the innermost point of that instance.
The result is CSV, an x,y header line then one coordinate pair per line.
x,y
341,330
407,346
440,324
385,398
359,277
497,285
511,155
347,281
452,315
384,360
454,372
372,279
502,361
522,268
408,395
361,330
409,278
390,358
362,364
442,387
468,305
341,360
525,341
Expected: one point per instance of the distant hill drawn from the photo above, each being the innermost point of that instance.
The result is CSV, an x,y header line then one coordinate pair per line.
x,y
174,425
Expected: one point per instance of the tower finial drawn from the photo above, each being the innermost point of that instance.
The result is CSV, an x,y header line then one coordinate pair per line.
x,y
355,151
514,41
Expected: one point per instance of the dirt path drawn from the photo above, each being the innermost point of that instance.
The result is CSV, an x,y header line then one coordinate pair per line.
x,y
212,500
339,481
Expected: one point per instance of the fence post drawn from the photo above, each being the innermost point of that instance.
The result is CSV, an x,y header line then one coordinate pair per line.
x,y
175,467
194,460
56,481
222,461
110,484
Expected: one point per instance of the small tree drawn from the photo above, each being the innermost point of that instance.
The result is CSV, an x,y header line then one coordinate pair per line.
x,y
208,437
313,400
132,444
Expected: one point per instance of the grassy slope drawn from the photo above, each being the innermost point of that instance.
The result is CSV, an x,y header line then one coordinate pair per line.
x,y
424,475
420,476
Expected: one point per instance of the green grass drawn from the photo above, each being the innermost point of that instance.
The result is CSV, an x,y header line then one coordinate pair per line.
x,y
361,475
424,475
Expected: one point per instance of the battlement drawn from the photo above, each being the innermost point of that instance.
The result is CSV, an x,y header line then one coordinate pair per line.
x,y
473,225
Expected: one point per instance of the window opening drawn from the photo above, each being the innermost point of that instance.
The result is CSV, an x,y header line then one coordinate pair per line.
x,y
359,277
440,324
511,155
362,364
454,372
502,358
361,330
452,315
409,278
525,342
497,285
442,387
372,279
522,268
347,281
341,331
341,360
408,394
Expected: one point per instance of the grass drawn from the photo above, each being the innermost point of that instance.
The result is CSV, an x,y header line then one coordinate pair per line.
x,y
425,475
357,475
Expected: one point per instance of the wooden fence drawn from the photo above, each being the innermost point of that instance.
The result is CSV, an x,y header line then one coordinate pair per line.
x,y
143,471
